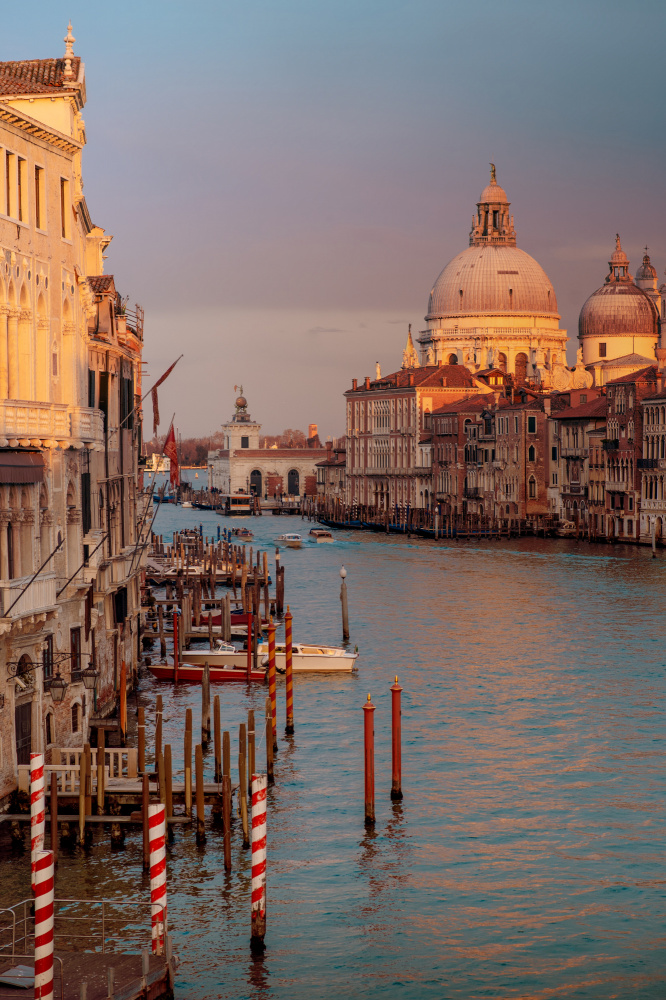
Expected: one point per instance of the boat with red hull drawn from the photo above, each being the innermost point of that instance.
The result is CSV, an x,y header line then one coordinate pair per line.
x,y
192,673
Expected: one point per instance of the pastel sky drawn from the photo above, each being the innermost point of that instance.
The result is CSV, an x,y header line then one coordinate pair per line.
x,y
284,181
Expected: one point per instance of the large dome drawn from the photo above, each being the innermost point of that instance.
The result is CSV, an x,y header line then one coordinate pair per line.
x,y
492,279
617,310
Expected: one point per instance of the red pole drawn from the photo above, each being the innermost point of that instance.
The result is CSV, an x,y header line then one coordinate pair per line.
x,y
175,647
368,711
249,648
289,728
272,685
396,775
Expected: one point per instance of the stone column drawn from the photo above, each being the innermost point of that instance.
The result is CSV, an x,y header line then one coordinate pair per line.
x,y
5,516
13,355
26,354
4,384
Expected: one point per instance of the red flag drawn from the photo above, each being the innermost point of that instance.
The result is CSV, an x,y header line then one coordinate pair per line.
x,y
166,374
171,451
156,411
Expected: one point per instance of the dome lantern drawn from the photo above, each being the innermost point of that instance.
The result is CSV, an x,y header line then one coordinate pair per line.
x,y
492,223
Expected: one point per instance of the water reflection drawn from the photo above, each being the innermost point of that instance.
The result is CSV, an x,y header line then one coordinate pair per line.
x,y
525,859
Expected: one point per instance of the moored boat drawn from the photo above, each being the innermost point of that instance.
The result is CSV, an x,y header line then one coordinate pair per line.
x,y
309,658
192,673
319,535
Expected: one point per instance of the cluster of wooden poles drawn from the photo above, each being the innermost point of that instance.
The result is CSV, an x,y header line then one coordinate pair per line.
x,y
369,751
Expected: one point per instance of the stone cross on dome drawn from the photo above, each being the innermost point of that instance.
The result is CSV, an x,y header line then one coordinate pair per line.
x,y
69,53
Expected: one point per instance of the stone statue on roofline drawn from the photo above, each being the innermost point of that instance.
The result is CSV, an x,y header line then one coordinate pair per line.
x,y
410,358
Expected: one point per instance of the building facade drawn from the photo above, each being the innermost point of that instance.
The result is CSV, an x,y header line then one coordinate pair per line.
x,y
241,466
652,466
69,381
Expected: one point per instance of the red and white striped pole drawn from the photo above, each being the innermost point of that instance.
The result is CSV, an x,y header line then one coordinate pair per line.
x,y
37,811
158,897
259,783
44,873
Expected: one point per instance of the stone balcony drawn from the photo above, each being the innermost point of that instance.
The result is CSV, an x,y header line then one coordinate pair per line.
x,y
39,598
49,425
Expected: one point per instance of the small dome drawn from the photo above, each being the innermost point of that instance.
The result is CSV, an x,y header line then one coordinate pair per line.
x,y
618,309
492,279
494,194
618,256
241,402
646,272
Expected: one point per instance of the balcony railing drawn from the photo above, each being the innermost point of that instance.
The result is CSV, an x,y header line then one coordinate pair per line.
x,y
48,425
610,444
574,452
40,596
471,492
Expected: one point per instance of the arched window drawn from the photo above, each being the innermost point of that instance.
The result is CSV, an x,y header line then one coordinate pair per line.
x,y
76,717
520,367
453,359
501,362
255,482
532,488
531,454
293,483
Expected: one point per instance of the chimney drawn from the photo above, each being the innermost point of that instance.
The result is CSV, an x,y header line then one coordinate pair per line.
x,y
329,448
546,406
497,394
378,370
367,381
354,384
410,379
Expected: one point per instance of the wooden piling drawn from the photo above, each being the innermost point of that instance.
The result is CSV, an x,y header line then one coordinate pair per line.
x,y
101,755
54,816
160,620
250,745
205,706
145,799
217,738
201,815
242,798
141,755
226,815
88,779
161,779
158,727
123,701
168,781
188,762
345,609
269,741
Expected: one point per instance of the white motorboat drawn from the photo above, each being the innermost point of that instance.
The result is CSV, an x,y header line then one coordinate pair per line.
x,y
319,535
308,658
291,540
186,503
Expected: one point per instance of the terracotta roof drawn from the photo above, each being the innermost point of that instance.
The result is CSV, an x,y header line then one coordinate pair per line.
x,y
36,76
338,461
101,283
648,374
430,376
473,404
595,408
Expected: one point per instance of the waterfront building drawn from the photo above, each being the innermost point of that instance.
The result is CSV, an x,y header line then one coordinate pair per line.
x,y
574,451
331,472
623,446
70,371
652,465
618,326
493,305
241,466
388,445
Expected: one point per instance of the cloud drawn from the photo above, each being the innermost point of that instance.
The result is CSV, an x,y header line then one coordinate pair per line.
x,y
325,329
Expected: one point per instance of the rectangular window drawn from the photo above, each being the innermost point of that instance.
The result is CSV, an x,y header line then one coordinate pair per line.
x,y
553,454
65,209
86,519
630,527
91,387
22,190
75,650
40,199
245,442
75,718
47,657
631,504
10,184
554,479
583,397
602,350
515,424
531,425
49,729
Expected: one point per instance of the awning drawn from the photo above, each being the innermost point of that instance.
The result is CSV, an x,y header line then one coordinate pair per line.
x,y
21,467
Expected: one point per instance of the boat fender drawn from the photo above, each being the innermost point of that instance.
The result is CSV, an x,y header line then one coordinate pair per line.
x,y
264,660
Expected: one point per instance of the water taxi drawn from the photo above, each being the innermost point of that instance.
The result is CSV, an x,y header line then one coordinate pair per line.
x,y
290,539
236,503
242,533
319,535
308,658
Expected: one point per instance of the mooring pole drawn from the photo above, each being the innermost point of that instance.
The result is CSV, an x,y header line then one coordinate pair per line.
x,y
396,739
345,610
369,728
289,679
272,681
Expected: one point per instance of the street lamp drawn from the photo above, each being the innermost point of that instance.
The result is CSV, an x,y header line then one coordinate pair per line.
x,y
89,677
57,687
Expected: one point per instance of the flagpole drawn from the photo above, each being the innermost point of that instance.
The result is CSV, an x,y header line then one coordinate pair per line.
x,y
157,506
146,394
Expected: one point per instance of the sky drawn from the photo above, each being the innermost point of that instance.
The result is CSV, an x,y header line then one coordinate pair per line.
x,y
285,181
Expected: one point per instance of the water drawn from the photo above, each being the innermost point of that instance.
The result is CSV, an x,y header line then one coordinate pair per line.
x,y
526,859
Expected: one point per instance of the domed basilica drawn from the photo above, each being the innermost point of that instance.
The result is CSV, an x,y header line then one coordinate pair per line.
x,y
493,306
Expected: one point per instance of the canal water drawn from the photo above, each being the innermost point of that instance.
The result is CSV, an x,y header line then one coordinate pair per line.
x,y
527,857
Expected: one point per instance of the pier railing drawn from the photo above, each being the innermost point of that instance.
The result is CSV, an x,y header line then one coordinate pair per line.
x,y
119,762
93,925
